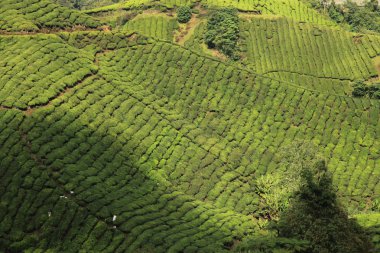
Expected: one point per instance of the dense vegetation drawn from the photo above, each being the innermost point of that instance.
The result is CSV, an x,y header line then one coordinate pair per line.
x,y
359,18
222,31
130,134
158,26
361,89
316,216
85,4
183,14
314,57
31,15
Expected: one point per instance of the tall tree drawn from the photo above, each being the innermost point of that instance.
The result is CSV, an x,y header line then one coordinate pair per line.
x,y
316,215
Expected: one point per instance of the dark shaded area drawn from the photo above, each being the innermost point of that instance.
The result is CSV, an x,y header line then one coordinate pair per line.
x,y
360,89
316,215
80,184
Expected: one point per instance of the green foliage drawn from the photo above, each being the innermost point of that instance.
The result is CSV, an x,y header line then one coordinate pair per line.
x,y
31,15
140,145
275,189
158,26
284,8
335,13
183,14
371,221
360,89
222,32
316,215
289,51
269,244
32,62
359,18
85,4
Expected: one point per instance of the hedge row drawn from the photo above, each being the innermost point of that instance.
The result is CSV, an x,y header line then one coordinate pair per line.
x,y
138,4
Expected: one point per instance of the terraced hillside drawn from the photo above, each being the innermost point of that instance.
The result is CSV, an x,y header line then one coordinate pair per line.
x,y
44,66
316,57
31,15
296,9
121,187
158,26
137,146
124,141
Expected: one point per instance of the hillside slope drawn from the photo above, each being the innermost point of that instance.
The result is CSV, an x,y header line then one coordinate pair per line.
x,y
139,138
316,57
31,15
295,9
136,150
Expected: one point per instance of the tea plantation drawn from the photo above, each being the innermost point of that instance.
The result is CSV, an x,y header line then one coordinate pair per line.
x,y
137,137
158,26
32,15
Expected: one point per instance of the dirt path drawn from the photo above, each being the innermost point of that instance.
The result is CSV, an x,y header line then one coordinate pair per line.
x,y
185,32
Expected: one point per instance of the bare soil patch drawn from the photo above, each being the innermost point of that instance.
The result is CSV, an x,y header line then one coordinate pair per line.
x,y
186,30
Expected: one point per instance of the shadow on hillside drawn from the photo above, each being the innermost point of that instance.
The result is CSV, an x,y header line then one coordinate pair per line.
x,y
96,187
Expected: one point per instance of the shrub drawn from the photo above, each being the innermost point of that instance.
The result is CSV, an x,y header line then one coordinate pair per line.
x,y
183,14
335,13
223,31
360,89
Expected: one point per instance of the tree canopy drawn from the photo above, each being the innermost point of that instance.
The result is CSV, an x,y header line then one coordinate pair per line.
x,y
223,31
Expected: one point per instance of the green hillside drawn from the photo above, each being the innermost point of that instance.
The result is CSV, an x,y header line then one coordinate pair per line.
x,y
31,15
295,9
158,26
312,56
136,136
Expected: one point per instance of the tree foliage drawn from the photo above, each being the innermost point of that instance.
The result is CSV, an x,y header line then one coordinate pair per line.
x,y
222,31
359,18
184,14
316,215
360,89
275,189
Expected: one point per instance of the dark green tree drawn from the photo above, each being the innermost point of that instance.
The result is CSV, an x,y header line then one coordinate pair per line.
x,y
77,4
222,31
183,14
372,5
374,91
335,13
316,215
360,89
361,18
